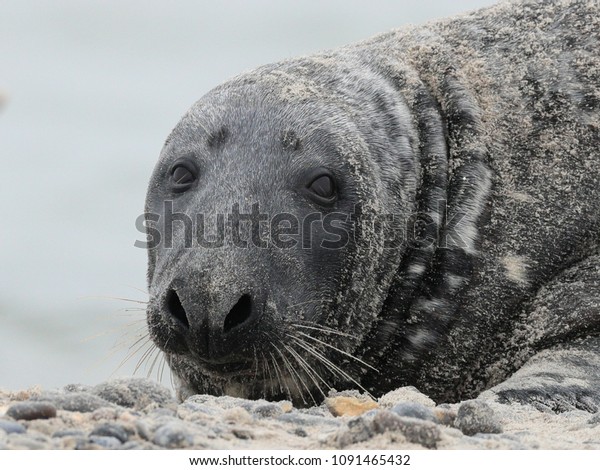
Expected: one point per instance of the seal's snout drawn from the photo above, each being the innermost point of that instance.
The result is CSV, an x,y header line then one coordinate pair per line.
x,y
216,333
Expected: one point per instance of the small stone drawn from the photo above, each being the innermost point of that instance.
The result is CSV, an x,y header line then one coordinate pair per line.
x,y
237,416
349,406
68,433
414,430
111,430
134,393
475,416
143,431
10,427
303,419
76,388
595,419
244,434
74,401
172,436
108,442
414,410
105,413
29,410
403,394
357,430
286,406
194,411
300,432
444,416
25,442
269,410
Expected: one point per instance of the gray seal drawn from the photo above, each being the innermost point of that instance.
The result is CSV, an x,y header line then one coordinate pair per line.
x,y
421,208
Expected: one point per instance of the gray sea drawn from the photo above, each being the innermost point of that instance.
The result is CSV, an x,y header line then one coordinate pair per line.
x,y
91,89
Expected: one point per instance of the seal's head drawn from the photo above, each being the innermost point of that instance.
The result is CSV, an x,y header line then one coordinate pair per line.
x,y
267,264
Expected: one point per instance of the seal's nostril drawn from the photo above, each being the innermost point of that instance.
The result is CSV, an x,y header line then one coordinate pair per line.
x,y
240,312
176,309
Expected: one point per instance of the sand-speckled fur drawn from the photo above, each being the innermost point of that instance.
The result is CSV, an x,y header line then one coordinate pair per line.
x,y
489,124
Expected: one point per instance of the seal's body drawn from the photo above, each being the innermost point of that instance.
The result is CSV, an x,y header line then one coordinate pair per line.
x,y
444,180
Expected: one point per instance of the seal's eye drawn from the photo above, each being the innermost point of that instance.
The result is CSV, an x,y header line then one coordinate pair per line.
x,y
322,189
183,176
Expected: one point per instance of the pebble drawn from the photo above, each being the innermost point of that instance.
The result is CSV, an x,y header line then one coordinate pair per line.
x,y
414,430
108,442
173,436
111,430
11,427
134,393
73,401
227,422
475,416
357,430
29,410
24,441
68,433
404,394
414,410
269,410
349,406
304,419
444,415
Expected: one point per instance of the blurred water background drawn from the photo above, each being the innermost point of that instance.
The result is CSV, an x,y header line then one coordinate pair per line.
x,y
91,89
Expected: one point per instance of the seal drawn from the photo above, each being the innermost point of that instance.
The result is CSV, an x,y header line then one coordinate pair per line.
x,y
421,208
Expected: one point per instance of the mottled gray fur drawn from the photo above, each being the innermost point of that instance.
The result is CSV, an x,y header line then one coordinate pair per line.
x,y
497,113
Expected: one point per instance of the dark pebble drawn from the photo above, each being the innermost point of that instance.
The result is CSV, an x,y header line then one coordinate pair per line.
x,y
476,417
414,410
414,430
267,411
68,433
244,434
108,442
111,430
358,430
300,432
29,410
172,436
303,419
10,427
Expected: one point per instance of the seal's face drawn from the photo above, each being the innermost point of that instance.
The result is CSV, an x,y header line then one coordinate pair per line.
x,y
259,256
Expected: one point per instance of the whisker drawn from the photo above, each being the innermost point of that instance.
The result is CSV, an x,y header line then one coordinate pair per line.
x,y
145,292
308,369
108,297
325,330
279,375
326,361
339,350
268,372
147,354
290,370
157,355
